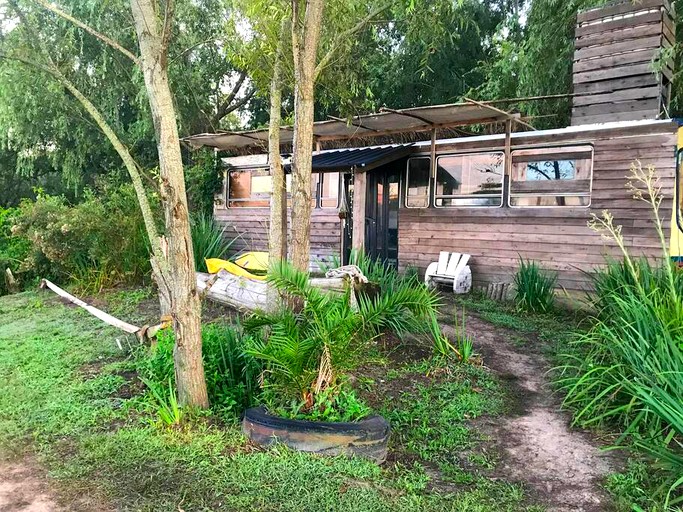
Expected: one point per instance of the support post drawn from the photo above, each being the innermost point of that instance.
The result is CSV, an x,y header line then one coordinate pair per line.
x,y
359,192
508,159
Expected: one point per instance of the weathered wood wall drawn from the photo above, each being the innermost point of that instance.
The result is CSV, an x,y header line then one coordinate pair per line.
x,y
615,46
250,227
559,238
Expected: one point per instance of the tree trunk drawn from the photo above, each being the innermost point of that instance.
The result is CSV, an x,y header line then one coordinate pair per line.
x,y
176,269
277,237
305,37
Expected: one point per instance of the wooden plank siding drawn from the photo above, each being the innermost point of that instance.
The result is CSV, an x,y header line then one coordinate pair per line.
x,y
615,45
559,238
250,228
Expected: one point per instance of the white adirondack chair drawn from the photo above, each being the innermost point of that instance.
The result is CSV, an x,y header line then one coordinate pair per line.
x,y
451,269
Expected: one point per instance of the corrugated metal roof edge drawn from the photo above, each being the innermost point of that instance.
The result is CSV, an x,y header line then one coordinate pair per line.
x,y
515,135
556,131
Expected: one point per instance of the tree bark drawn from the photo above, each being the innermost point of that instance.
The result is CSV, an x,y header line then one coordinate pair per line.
x,y
277,236
176,269
305,38
278,207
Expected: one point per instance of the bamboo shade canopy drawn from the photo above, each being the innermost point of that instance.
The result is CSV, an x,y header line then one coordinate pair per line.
x,y
386,122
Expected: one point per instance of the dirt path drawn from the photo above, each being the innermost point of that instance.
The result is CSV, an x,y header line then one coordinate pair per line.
x,y
23,488
537,447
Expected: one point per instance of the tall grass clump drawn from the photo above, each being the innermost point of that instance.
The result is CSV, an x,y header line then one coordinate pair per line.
x,y
534,288
208,240
231,374
627,371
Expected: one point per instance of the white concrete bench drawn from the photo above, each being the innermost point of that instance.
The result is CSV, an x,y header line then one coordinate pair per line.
x,y
452,270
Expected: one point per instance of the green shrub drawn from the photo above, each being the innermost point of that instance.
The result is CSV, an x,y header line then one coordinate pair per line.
x,y
627,371
97,243
203,180
231,374
208,240
13,250
307,352
534,288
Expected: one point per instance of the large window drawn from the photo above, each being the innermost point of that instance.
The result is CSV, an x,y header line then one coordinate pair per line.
x,y
417,179
551,176
249,189
469,180
252,189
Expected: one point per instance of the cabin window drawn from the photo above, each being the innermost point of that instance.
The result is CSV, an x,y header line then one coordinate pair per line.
x,y
252,189
249,189
329,189
551,177
474,179
417,180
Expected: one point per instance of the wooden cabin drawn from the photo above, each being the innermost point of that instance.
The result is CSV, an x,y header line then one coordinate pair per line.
x,y
499,197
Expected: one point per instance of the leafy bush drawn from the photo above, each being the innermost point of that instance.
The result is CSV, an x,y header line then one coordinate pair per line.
x,y
203,180
231,374
13,249
628,369
208,240
534,288
98,243
307,352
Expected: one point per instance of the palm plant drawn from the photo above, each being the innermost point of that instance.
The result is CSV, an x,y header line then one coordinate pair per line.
x,y
306,352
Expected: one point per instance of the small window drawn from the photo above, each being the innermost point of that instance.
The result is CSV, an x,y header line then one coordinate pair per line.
x,y
469,180
249,189
417,189
551,176
329,190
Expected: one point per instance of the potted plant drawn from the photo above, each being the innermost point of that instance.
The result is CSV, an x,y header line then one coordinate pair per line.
x,y
307,353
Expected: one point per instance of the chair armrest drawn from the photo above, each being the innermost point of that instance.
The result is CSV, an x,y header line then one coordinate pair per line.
x,y
431,270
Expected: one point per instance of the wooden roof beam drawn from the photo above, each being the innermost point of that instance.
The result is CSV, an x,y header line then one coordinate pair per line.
x,y
347,122
514,117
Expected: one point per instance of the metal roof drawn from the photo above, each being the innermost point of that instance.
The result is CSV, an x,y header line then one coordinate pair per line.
x,y
359,158
365,158
386,122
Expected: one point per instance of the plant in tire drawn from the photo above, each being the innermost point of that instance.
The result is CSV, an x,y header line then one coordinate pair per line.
x,y
307,353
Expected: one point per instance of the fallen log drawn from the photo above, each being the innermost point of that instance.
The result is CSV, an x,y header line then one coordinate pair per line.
x,y
248,295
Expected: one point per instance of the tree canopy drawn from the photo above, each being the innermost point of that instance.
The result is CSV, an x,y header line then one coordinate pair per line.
x,y
415,52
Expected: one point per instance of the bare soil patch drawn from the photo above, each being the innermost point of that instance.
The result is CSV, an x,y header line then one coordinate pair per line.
x,y
23,488
536,445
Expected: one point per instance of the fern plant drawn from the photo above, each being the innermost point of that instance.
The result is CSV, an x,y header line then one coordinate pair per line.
x,y
307,352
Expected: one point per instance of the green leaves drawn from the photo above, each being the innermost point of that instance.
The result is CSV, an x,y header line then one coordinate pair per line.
x,y
291,343
534,288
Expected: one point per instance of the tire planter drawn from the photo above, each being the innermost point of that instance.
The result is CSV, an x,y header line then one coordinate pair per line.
x,y
367,438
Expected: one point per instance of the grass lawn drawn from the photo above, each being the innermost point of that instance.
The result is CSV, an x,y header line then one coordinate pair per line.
x,y
68,394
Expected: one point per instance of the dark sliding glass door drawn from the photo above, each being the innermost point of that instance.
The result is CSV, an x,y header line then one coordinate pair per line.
x,y
381,216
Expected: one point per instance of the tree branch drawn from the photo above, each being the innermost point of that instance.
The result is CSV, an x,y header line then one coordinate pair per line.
x,y
234,106
105,39
346,34
167,30
225,106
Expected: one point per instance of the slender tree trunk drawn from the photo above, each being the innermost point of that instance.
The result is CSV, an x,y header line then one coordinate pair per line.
x,y
305,38
277,237
278,207
176,270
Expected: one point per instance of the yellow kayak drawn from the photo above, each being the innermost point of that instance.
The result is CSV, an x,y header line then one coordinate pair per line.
x,y
242,267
